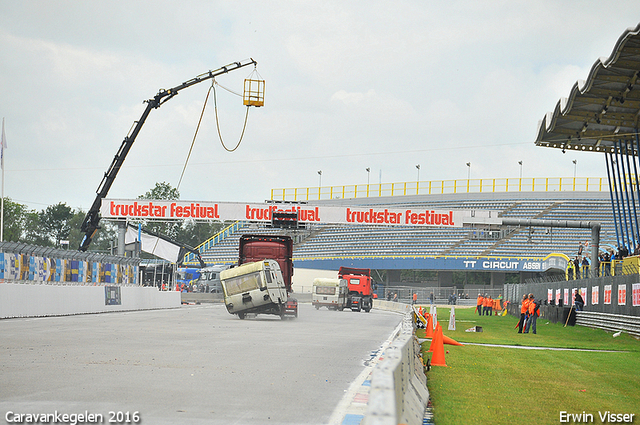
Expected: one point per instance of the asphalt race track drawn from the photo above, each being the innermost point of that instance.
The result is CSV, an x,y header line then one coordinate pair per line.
x,y
190,365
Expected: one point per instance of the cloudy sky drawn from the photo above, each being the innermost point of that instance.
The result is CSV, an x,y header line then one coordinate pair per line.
x,y
384,85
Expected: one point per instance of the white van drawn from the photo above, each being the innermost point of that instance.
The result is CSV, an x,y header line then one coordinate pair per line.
x,y
330,293
254,288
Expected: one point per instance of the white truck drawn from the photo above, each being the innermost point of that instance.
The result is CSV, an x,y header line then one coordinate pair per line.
x,y
330,293
209,280
256,287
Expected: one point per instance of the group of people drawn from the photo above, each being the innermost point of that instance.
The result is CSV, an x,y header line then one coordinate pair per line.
x,y
578,266
529,312
486,306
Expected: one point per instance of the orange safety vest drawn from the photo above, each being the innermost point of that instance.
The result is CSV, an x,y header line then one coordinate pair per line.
x,y
525,306
496,305
488,302
480,300
532,307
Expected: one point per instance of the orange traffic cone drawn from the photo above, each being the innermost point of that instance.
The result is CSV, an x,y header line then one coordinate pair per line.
x,y
428,333
432,346
437,358
434,338
450,341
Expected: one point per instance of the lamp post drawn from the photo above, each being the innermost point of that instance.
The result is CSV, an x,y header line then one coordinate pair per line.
x,y
575,166
468,171
520,164
418,167
368,174
320,178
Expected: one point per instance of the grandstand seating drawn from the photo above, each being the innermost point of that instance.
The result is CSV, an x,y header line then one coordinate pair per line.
x,y
325,241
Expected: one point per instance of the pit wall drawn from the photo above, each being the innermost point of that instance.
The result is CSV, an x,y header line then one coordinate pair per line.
x,y
399,391
29,300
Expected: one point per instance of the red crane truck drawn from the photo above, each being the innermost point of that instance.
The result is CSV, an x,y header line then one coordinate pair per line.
x,y
276,247
360,289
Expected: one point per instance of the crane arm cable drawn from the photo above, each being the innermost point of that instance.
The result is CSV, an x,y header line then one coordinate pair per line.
x,y
204,106
215,103
194,138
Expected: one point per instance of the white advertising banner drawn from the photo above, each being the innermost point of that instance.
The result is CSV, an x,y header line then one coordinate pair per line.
x,y
168,210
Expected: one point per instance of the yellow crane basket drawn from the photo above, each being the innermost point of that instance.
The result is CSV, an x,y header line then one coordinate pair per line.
x,y
253,92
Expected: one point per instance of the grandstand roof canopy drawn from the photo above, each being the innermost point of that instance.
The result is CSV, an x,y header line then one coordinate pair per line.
x,y
603,109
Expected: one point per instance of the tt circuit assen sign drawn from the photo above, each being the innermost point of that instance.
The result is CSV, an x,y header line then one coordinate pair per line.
x,y
176,210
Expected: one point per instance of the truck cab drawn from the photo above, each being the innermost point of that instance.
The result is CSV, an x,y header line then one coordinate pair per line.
x,y
209,280
276,247
360,288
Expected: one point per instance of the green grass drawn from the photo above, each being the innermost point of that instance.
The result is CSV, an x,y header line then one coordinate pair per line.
x,y
492,385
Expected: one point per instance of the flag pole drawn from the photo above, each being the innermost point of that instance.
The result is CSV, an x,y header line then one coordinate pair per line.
x,y
3,144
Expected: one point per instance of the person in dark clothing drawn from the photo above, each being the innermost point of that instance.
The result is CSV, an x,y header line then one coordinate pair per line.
x,y
578,301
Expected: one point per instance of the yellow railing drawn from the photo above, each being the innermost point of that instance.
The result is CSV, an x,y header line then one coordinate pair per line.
x,y
439,187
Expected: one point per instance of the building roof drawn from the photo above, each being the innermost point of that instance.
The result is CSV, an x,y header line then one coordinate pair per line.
x,y
604,109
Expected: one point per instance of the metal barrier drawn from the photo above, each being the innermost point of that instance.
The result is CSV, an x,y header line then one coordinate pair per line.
x,y
440,187
609,322
399,391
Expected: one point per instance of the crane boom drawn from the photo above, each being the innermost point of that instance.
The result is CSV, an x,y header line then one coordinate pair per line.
x,y
92,220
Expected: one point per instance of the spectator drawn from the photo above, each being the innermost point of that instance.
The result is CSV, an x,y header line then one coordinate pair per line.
x,y
524,309
534,312
578,301
480,304
585,267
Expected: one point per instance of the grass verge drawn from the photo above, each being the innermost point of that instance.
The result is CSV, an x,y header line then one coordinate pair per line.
x,y
493,385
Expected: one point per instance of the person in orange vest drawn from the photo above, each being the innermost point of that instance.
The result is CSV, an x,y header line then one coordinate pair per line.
x,y
524,309
488,304
480,303
534,312
415,297
496,306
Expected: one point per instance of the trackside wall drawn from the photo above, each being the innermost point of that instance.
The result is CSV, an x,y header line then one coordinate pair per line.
x,y
29,300
399,391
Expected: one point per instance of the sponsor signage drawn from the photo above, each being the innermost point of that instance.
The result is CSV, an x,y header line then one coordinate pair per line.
x,y
508,265
176,210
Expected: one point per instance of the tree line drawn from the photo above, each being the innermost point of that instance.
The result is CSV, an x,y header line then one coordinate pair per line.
x,y
57,223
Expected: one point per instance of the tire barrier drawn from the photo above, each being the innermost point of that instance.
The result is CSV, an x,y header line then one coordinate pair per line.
x,y
399,391
609,322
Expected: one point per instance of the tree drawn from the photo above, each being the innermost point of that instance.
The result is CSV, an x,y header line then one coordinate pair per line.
x,y
14,220
193,233
166,192
162,191
55,222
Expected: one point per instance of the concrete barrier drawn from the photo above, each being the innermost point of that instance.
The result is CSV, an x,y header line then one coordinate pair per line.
x,y
399,391
391,306
29,300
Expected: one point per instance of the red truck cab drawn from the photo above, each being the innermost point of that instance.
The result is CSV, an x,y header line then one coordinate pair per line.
x,y
360,288
277,247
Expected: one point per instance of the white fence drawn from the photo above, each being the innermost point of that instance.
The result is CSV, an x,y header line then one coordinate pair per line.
x,y
38,300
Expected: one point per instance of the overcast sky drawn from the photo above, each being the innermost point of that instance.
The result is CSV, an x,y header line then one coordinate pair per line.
x,y
384,85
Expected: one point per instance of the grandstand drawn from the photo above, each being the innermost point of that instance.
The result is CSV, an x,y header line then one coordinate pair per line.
x,y
327,246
